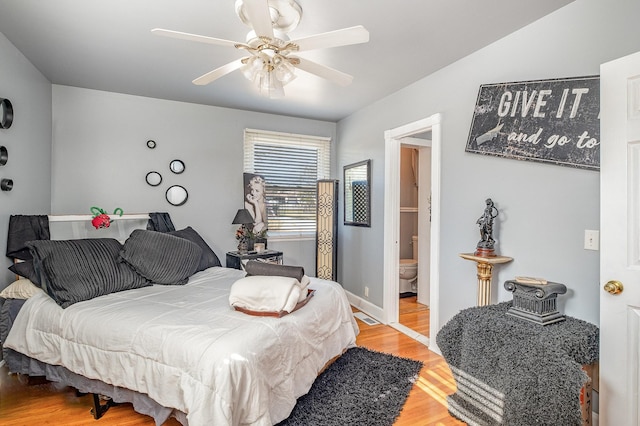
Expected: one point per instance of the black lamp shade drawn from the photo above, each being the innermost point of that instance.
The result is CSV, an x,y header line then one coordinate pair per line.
x,y
242,217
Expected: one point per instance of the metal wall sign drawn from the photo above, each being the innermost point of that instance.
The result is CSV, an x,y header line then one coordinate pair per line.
x,y
553,121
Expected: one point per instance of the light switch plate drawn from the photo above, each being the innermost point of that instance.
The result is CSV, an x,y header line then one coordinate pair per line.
x,y
591,239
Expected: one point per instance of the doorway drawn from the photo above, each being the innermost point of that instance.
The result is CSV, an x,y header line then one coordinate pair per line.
x,y
415,191
429,128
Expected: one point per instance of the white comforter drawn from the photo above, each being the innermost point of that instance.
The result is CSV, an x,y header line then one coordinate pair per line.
x,y
188,349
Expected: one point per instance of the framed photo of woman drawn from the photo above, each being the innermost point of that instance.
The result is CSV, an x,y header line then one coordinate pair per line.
x,y
255,201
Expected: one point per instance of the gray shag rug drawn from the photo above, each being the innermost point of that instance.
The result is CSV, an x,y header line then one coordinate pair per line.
x,y
509,371
362,387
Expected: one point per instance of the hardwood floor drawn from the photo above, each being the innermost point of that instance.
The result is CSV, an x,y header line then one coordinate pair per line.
x,y
52,404
414,315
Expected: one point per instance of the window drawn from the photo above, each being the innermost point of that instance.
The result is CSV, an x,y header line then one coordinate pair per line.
x,y
291,165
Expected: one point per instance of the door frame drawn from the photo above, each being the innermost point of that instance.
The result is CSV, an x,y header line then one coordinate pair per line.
x,y
393,142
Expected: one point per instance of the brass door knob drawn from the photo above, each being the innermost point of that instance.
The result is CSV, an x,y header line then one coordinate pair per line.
x,y
614,287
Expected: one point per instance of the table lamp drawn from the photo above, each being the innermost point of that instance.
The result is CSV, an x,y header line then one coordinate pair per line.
x,y
242,218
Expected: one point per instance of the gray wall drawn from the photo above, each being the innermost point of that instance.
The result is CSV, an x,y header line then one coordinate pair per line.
x,y
544,209
28,142
100,158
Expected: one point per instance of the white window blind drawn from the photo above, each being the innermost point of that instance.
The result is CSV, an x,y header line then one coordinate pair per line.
x,y
291,165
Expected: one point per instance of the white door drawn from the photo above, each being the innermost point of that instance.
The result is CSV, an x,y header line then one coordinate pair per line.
x,y
620,241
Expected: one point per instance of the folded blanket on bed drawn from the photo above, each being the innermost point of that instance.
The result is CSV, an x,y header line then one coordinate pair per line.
x,y
304,282
266,293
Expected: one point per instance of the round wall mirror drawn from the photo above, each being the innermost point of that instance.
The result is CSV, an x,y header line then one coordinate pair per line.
x,y
4,155
177,195
154,178
177,166
6,113
151,144
6,184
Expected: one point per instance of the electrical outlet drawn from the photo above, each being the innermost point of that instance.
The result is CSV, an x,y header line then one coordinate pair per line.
x,y
366,292
591,239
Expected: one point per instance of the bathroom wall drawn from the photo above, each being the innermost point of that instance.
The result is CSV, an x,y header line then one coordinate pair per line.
x,y
408,199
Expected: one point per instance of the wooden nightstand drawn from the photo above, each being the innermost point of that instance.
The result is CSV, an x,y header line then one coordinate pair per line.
x,y
234,258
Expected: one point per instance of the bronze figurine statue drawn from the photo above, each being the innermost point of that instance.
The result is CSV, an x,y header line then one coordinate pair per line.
x,y
486,244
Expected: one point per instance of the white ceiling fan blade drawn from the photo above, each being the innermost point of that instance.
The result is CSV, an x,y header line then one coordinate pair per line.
x,y
193,37
343,37
218,72
257,12
330,74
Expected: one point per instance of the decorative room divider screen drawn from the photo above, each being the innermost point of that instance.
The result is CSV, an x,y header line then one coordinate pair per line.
x,y
327,230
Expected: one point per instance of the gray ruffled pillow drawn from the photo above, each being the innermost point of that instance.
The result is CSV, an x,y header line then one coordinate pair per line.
x,y
160,257
71,271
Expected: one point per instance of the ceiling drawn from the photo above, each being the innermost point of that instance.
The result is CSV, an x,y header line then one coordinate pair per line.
x,y
107,45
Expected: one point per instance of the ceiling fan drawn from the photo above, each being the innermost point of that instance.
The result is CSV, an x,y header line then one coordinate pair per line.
x,y
270,62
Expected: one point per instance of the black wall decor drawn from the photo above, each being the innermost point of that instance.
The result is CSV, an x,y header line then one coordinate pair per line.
x,y
6,184
177,166
176,195
6,119
153,178
4,155
553,121
6,113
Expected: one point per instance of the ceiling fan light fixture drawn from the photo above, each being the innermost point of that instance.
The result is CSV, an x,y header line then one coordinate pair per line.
x,y
285,72
269,71
252,66
269,85
269,65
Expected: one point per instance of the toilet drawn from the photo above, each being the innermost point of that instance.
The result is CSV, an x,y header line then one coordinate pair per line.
x,y
409,270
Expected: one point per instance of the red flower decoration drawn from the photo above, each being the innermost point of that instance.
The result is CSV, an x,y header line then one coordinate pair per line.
x,y
100,217
101,221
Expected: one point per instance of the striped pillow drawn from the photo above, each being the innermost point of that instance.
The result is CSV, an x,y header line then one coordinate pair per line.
x,y
160,257
71,271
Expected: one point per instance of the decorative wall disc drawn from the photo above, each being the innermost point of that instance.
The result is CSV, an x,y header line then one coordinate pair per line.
x,y
6,115
154,178
4,155
6,184
177,195
177,166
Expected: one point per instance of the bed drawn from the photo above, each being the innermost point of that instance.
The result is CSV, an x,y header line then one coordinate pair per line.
x,y
182,350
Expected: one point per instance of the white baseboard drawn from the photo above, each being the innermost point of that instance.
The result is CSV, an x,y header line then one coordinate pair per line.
x,y
411,333
366,307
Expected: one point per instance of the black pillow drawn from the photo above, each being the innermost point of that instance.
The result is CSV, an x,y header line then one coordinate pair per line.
x,y
254,267
160,257
71,271
208,257
26,269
